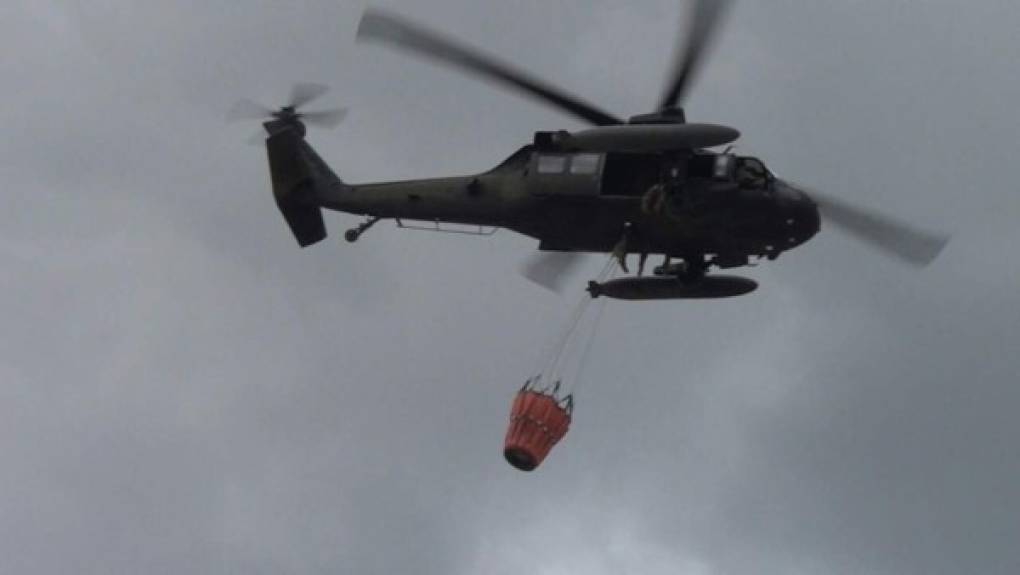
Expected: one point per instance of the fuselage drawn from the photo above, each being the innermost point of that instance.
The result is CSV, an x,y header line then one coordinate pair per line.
x,y
702,203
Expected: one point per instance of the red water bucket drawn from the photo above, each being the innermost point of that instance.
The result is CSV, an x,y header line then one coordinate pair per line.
x,y
538,420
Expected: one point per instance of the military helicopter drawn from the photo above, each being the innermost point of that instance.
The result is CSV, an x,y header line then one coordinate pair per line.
x,y
647,185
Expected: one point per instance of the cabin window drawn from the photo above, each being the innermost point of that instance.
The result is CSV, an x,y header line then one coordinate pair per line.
x,y
585,164
552,164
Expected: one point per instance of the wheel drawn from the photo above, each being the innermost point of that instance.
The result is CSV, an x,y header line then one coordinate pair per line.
x,y
351,235
694,268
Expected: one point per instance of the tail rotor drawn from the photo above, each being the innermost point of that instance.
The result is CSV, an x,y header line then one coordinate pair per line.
x,y
289,115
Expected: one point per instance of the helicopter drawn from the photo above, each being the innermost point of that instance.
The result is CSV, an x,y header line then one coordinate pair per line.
x,y
649,185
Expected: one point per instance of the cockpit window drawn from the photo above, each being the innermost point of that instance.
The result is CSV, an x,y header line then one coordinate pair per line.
x,y
753,165
585,164
752,173
552,164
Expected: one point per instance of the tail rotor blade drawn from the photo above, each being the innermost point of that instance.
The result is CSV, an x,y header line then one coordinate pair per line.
x,y
245,109
551,270
303,93
706,16
300,94
896,238
325,118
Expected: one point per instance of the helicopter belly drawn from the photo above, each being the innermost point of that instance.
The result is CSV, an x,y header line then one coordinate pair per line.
x,y
599,227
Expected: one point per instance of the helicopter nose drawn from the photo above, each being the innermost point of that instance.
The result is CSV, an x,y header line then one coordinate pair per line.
x,y
799,211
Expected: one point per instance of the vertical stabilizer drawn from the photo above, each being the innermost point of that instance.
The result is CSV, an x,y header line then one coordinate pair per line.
x,y
297,175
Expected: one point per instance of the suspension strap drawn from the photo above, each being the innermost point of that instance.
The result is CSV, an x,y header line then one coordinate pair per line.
x,y
554,364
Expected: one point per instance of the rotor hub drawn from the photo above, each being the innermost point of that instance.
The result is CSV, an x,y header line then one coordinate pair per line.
x,y
287,113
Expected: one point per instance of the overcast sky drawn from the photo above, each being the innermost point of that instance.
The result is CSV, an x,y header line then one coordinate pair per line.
x,y
183,390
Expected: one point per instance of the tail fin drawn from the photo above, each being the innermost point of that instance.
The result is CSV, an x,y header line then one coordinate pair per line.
x,y
298,175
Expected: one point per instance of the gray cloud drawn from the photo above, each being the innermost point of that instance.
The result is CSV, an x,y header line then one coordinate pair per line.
x,y
184,390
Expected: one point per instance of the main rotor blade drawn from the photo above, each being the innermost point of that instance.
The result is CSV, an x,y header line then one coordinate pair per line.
x,y
325,118
706,15
912,245
245,109
378,25
305,92
551,270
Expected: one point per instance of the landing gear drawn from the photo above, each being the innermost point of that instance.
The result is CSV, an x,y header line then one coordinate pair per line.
x,y
353,234
692,269
621,248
